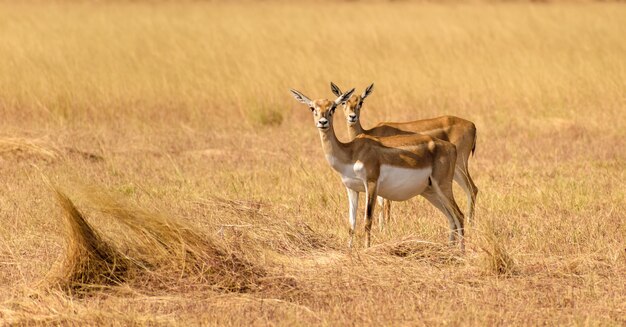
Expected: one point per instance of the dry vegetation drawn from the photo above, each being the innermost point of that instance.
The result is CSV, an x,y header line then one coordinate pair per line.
x,y
155,170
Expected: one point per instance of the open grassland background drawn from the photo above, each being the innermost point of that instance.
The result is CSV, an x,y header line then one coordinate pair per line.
x,y
183,109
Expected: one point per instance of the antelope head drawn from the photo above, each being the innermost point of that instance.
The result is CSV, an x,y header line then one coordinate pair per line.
x,y
322,109
352,106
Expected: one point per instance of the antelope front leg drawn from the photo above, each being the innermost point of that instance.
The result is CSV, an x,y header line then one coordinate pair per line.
x,y
353,197
370,191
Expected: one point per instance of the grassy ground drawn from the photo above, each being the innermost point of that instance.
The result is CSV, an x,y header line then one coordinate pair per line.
x,y
183,112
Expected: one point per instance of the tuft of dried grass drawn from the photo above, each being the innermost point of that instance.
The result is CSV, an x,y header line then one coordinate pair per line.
x,y
23,147
29,147
419,250
167,242
89,260
497,259
161,252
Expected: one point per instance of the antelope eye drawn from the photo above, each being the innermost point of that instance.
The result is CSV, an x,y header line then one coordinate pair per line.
x,y
343,103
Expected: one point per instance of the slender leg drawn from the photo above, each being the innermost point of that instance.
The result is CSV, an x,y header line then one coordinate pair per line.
x,y
472,209
462,177
441,183
445,197
370,205
381,214
432,197
450,204
353,198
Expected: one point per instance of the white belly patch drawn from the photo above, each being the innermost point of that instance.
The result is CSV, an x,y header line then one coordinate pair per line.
x,y
394,183
400,184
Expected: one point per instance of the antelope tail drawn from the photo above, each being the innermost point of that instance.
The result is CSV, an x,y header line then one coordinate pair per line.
x,y
474,145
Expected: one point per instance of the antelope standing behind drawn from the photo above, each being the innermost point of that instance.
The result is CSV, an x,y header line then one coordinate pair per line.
x,y
458,131
396,167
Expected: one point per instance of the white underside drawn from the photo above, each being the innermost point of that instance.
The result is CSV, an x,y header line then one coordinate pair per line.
x,y
400,184
394,183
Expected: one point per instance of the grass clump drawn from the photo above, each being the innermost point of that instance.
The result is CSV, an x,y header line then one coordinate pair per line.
x,y
89,260
160,251
497,258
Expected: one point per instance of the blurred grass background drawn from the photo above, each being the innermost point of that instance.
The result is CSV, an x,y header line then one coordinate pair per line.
x,y
106,61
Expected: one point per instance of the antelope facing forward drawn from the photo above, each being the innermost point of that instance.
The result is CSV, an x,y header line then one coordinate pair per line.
x,y
458,131
396,168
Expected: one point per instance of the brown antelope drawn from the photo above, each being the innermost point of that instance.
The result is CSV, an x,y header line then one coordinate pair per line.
x,y
396,167
457,131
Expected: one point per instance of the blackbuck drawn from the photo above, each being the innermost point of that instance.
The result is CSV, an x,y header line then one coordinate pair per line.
x,y
396,167
458,131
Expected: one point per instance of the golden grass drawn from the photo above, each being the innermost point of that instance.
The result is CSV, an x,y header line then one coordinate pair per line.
x,y
206,182
19,146
159,253
89,259
497,258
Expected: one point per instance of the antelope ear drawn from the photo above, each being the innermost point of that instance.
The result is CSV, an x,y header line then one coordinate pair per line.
x,y
344,97
301,98
367,91
335,89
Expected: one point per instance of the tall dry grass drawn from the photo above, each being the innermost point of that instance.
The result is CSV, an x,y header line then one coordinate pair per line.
x,y
159,252
235,61
180,112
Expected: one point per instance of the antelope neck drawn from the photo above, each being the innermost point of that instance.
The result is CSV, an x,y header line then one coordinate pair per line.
x,y
336,152
355,129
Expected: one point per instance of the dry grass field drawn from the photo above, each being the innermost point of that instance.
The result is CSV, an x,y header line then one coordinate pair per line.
x,y
154,168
